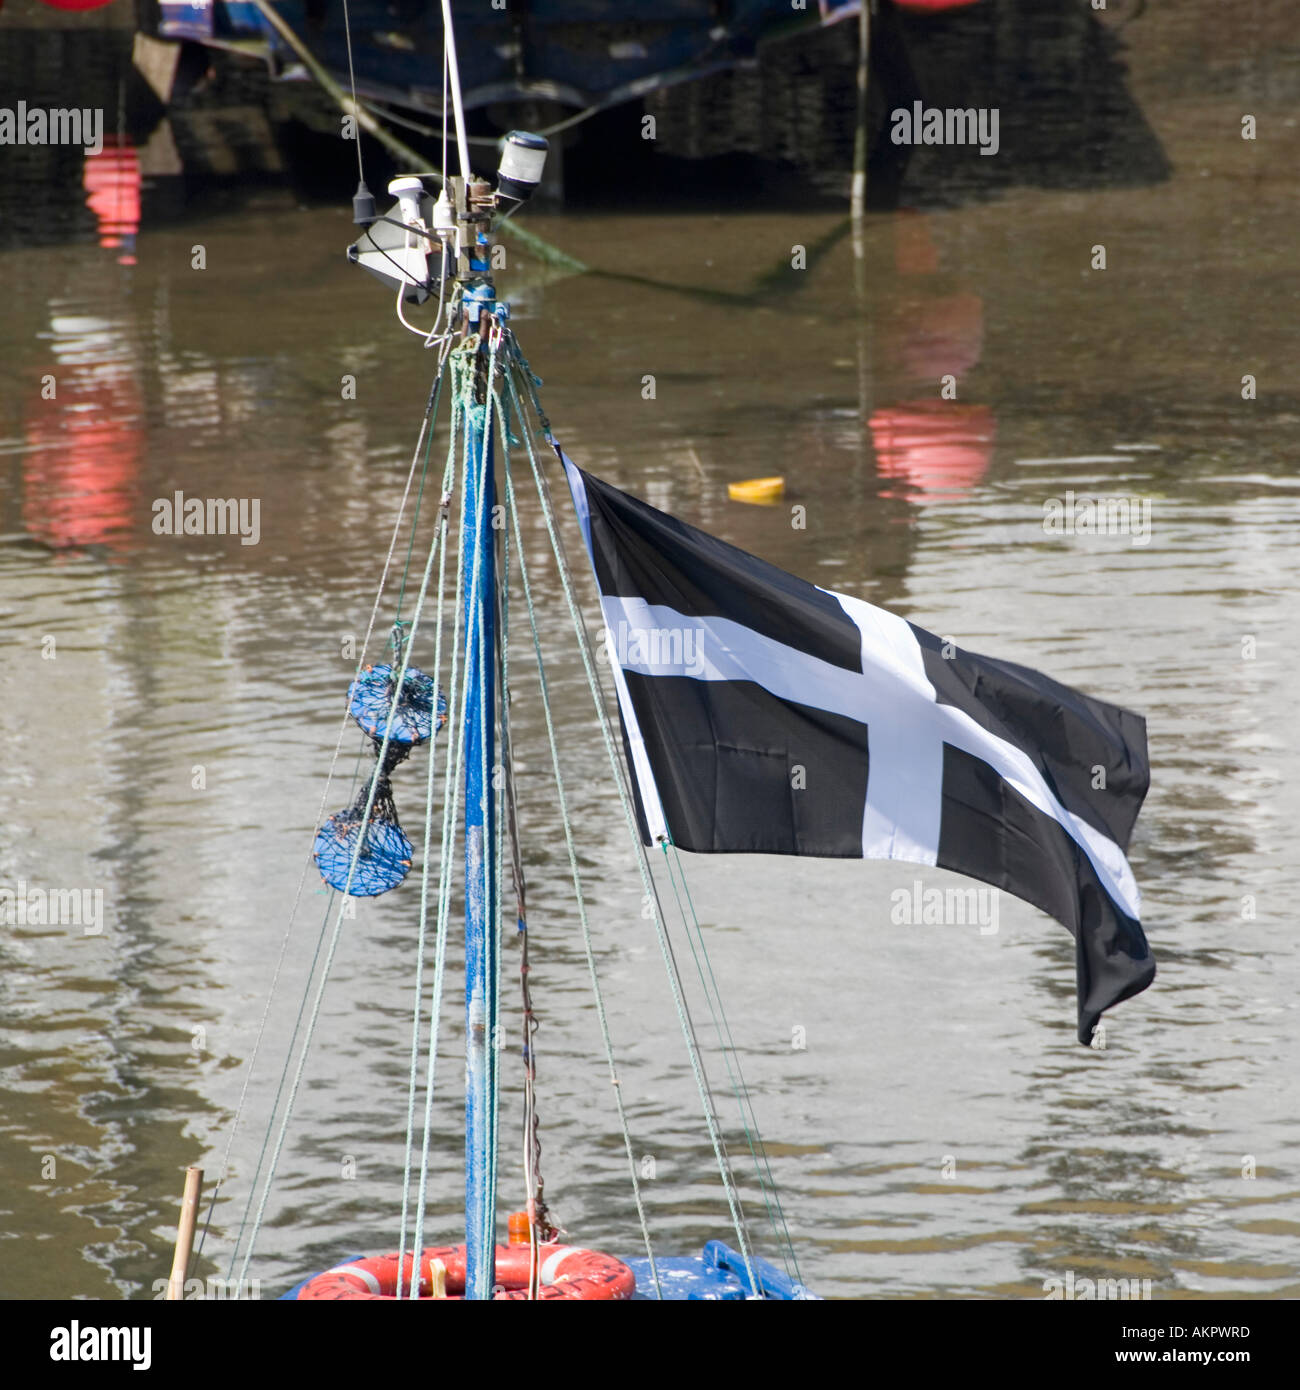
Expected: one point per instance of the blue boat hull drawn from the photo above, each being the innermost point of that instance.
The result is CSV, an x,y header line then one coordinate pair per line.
x,y
574,52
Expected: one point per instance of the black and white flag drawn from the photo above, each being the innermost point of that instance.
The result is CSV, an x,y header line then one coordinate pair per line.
x,y
763,714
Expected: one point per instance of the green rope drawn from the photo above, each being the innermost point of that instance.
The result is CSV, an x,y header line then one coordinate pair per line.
x,y
463,369
767,1184
543,250
531,380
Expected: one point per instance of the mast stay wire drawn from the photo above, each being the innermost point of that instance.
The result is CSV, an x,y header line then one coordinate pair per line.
x,y
731,1060
649,885
571,848
765,1178
426,425
449,809
375,779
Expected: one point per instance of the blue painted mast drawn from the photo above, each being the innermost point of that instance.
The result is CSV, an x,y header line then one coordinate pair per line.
x,y
481,986
482,925
481,928
478,599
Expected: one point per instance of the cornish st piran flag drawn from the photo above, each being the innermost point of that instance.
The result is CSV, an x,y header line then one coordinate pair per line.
x,y
731,674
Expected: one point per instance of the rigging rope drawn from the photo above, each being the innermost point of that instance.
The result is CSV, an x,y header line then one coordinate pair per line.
x,y
727,1046
425,434
541,1229
571,849
448,480
505,405
314,1016
647,879
352,82
762,1166
463,363
392,748
451,808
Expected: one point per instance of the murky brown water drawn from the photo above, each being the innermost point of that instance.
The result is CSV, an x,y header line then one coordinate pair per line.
x,y
922,1146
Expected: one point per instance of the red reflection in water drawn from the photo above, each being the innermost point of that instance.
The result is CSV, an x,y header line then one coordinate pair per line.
x,y
112,182
80,471
914,250
940,448
84,445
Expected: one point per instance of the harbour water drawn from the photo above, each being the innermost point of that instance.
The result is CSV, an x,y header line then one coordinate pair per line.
x,y
946,400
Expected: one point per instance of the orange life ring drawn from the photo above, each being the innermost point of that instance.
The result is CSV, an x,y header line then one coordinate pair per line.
x,y
566,1271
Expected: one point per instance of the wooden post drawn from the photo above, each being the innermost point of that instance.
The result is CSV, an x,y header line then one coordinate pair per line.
x,y
862,133
185,1234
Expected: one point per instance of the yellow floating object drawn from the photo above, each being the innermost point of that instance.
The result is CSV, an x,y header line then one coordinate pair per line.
x,y
763,491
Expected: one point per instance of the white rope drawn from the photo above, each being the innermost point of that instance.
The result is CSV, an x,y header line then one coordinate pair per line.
x,y
450,811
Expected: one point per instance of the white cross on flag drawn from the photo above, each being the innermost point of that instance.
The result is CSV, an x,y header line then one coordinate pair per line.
x,y
763,714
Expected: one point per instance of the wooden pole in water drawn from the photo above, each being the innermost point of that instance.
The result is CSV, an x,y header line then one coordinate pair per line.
x,y
862,134
185,1234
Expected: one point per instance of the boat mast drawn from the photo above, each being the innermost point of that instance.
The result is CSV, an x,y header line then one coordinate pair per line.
x,y
482,923
478,607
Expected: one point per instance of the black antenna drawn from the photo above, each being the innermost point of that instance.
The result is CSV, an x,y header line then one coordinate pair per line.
x,y
363,200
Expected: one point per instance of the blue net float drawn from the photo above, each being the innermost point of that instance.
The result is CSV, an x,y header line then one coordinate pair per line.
x,y
385,857
370,697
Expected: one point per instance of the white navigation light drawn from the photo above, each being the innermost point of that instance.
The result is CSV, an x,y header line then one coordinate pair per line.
x,y
523,157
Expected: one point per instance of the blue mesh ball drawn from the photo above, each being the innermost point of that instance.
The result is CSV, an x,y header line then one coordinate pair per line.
x,y
385,858
371,695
